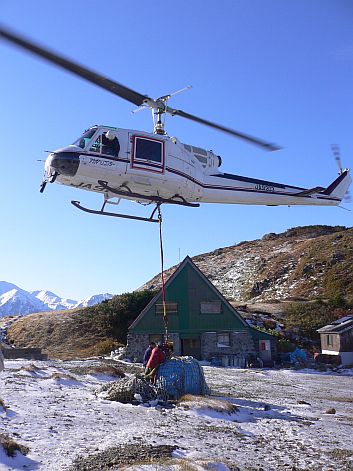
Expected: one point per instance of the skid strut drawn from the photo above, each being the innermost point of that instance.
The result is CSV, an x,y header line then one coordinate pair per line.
x,y
101,212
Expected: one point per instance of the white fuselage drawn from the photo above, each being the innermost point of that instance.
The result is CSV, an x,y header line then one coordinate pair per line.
x,y
157,165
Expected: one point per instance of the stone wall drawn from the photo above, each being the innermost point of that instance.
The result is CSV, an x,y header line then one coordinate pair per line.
x,y
137,344
240,349
27,353
241,346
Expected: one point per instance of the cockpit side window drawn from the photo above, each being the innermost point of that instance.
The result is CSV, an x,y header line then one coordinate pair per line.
x,y
106,143
96,146
85,138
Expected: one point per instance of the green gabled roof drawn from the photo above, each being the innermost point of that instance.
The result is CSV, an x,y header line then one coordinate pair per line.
x,y
188,262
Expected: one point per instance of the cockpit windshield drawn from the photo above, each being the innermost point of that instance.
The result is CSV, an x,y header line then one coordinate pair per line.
x,y
86,137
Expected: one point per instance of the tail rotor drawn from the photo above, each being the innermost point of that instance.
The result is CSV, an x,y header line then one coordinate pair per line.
x,y
337,156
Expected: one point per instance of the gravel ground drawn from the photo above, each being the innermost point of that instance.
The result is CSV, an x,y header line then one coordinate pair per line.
x,y
113,458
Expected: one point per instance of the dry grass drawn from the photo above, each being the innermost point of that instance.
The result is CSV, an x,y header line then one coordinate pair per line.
x,y
349,400
105,370
61,334
11,447
59,376
31,368
108,370
3,405
189,401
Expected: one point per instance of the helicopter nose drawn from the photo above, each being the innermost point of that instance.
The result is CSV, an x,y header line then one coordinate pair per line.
x,y
64,163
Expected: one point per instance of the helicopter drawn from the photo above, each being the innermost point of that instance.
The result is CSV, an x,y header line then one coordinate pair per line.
x,y
155,168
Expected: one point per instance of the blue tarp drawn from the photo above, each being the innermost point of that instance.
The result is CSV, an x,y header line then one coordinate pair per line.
x,y
297,356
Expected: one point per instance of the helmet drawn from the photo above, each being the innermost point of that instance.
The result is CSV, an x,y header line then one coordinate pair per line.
x,y
109,135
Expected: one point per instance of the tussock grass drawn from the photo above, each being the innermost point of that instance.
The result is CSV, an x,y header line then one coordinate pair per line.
x,y
105,370
31,368
108,370
189,401
11,447
3,405
349,400
59,376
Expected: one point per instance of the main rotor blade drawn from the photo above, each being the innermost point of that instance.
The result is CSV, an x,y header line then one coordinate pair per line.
x,y
87,74
246,137
119,89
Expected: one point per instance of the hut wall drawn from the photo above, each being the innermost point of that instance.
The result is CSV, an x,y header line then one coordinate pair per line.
x,y
330,342
241,345
347,341
136,346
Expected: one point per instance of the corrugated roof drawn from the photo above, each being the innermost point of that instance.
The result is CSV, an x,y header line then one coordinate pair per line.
x,y
345,323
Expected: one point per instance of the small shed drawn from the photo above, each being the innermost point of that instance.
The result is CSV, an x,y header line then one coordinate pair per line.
x,y
201,323
337,339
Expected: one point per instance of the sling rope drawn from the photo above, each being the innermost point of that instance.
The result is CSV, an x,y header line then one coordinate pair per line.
x,y
165,319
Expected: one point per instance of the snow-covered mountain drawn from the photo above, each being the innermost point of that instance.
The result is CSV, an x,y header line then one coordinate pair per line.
x,y
53,301
17,301
5,287
95,299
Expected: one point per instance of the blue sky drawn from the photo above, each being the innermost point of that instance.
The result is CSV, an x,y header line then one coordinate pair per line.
x,y
280,70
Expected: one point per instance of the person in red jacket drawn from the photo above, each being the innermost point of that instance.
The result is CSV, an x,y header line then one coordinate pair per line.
x,y
157,358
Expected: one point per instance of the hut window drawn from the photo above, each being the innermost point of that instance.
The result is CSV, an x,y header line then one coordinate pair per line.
x,y
223,339
329,339
156,338
211,307
171,308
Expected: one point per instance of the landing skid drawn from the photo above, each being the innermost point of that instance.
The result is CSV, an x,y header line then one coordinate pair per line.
x,y
101,212
153,199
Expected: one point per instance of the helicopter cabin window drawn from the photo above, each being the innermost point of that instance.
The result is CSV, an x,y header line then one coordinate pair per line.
x,y
148,154
202,159
106,143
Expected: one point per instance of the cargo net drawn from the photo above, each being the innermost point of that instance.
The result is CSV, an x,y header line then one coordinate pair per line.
x,y
182,375
133,389
175,377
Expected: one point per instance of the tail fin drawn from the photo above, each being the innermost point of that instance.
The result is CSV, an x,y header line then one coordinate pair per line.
x,y
339,187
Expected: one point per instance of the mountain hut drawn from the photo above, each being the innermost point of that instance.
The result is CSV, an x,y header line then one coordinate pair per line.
x,y
201,323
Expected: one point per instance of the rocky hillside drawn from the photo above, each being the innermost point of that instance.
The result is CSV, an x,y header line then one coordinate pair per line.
x,y
303,263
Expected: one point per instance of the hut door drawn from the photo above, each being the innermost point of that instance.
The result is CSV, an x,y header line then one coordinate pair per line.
x,y
265,350
191,347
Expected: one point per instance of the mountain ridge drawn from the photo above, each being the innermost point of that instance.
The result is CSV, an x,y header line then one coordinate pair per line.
x,y
303,263
17,301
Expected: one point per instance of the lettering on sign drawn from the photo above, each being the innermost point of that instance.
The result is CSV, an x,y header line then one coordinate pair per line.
x,y
88,186
102,163
269,189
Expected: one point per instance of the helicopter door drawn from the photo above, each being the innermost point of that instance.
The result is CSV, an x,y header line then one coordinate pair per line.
x,y
147,153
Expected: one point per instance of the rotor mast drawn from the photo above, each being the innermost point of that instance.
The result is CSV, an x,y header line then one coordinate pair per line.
x,y
159,107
